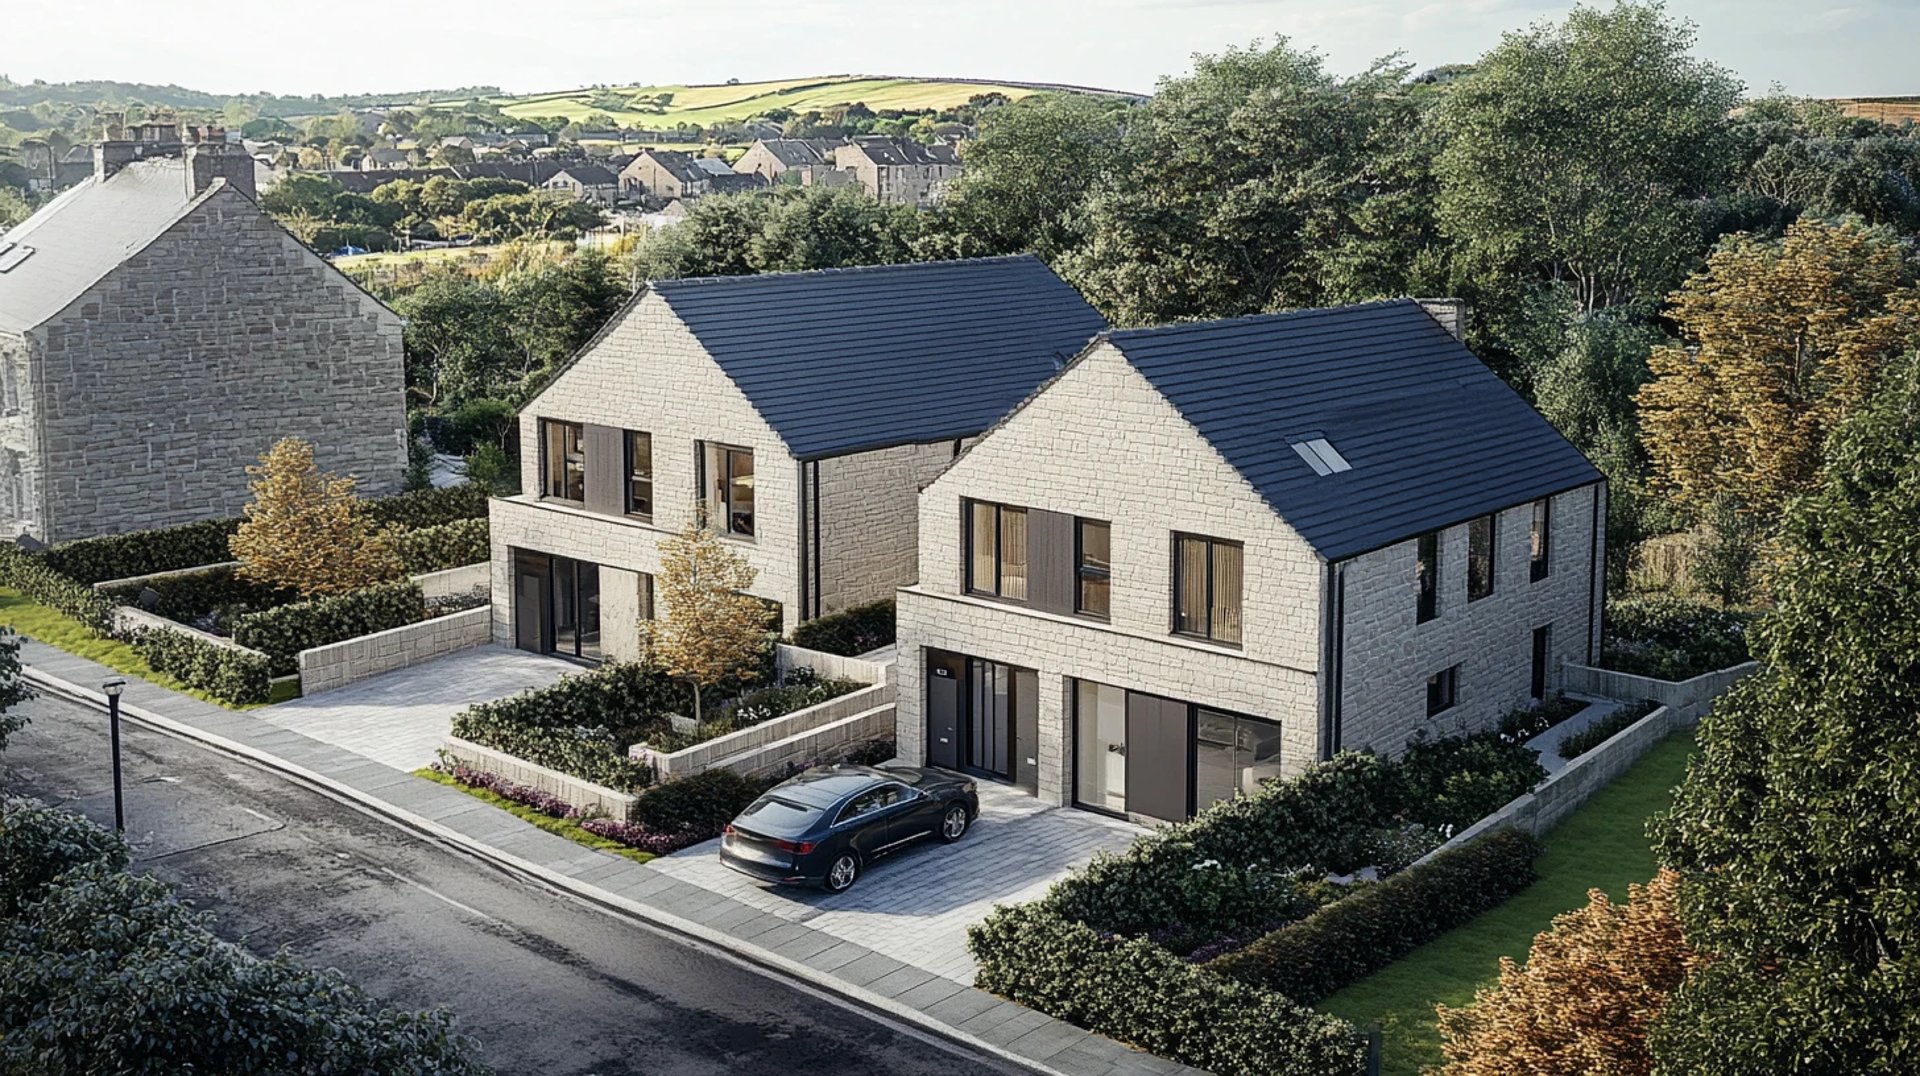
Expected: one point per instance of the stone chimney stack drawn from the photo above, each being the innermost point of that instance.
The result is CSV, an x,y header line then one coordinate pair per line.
x,y
210,156
120,146
1450,313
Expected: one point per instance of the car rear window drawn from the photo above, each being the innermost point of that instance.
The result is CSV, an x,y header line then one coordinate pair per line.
x,y
773,813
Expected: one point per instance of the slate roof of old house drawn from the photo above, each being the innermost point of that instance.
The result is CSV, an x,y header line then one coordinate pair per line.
x,y
897,151
850,360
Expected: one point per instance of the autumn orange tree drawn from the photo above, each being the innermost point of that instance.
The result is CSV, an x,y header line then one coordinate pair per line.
x,y
306,530
709,630
1782,339
1585,998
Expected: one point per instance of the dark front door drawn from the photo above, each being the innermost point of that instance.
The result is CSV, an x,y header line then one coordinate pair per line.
x,y
530,601
1026,730
1542,638
556,605
943,708
1159,769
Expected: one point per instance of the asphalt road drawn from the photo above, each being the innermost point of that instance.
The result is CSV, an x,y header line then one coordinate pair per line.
x,y
546,984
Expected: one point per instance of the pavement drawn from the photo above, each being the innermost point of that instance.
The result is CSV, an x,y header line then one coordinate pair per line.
x,y
1548,742
401,718
819,946
543,982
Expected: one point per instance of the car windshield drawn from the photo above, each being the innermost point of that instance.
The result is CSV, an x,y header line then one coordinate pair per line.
x,y
778,815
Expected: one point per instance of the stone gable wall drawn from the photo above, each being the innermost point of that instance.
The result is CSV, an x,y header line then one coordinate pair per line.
x,y
21,511
869,521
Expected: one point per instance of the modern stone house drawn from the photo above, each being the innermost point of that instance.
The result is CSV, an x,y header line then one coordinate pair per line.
x,y
899,170
801,411
158,332
1211,553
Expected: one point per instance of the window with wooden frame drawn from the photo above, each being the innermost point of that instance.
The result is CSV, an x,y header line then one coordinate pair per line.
x,y
996,550
1093,567
1480,553
1206,588
1426,575
1540,540
564,455
1443,690
639,494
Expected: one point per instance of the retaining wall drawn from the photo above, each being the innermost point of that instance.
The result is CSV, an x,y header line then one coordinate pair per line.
x,y
583,794
462,580
831,666
155,577
323,668
1692,697
770,745
128,619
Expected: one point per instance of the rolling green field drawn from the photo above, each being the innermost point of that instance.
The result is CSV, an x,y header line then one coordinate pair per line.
x,y
712,104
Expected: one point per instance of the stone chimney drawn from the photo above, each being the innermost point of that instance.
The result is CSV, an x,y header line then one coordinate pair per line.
x,y
210,156
120,146
1450,313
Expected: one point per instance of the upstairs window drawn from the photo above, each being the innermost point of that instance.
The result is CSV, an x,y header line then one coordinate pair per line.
x,y
1540,539
1206,588
1480,535
1093,542
1426,574
997,550
639,474
1443,690
563,445
730,478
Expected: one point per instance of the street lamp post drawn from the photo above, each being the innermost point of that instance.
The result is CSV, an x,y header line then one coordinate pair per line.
x,y
113,688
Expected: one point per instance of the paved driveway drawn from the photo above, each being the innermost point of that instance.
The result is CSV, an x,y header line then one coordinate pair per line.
x,y
401,718
916,906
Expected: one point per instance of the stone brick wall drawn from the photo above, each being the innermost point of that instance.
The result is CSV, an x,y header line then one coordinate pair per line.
x,y
599,799
20,472
163,381
1103,444
648,373
1388,657
324,668
1689,699
869,521
866,714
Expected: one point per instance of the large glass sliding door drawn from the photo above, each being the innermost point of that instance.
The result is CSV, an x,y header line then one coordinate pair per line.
x,y
1232,755
556,608
1145,755
1100,746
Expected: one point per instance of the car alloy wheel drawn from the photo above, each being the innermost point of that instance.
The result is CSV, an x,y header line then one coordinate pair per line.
x,y
953,824
843,872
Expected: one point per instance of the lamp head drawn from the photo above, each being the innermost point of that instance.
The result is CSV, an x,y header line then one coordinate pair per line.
x,y
114,686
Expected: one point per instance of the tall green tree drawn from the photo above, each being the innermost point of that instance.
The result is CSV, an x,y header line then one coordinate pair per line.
x,y
1575,152
715,239
833,227
1793,832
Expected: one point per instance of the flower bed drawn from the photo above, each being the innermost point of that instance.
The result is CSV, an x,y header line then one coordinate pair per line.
x,y
210,599
849,632
1523,724
800,689
1579,743
1671,639
581,725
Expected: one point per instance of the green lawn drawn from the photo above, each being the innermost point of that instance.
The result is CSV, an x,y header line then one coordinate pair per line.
x,y
1603,844
562,827
49,626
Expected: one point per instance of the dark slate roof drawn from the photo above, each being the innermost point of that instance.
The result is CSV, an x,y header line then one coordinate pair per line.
x,y
849,360
733,182
887,150
678,164
797,152
1433,436
589,175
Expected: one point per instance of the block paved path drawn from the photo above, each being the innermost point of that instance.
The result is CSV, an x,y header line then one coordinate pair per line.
x,y
737,920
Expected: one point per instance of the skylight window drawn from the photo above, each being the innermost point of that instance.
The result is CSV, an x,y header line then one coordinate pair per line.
x,y
12,254
1321,456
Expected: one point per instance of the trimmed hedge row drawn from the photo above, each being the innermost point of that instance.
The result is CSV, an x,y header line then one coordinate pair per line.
x,y
163,549
221,671
282,632
849,632
30,575
1353,937
564,726
222,590
1133,990
1575,744
429,507
455,544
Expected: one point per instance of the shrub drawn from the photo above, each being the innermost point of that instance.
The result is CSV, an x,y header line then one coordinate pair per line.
x,y
209,600
1523,724
801,689
849,632
472,424
581,724
644,838
429,507
525,795
453,544
163,549
1452,782
39,843
1133,990
1672,639
1351,938
225,672
31,575
1579,743
702,802
283,632
306,530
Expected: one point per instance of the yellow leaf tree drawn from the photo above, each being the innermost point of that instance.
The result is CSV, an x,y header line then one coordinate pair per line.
x,y
709,629
306,530
1586,996
1781,340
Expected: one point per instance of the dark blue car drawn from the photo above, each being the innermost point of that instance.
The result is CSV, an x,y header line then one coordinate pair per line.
x,y
824,826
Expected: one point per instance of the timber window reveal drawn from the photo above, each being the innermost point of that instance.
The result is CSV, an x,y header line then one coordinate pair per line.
x,y
1540,540
1480,554
730,488
563,447
997,550
639,493
1206,588
1426,572
1093,556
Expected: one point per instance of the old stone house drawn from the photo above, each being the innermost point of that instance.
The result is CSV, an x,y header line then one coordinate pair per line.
x,y
663,175
158,332
800,411
899,171
585,182
1211,553
793,161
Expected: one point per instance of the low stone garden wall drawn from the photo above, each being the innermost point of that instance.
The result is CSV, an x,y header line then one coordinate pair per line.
x,y
324,668
770,746
129,620
831,666
589,797
454,581
1692,697
160,577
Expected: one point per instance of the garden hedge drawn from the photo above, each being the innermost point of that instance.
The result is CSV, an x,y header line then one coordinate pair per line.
x,y
224,672
455,544
1575,744
1359,934
1137,992
429,507
581,724
282,632
162,549
30,574
849,632
217,591
39,843
1670,638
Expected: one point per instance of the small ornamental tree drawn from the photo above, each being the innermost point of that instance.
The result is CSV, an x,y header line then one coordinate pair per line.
x,y
306,530
1584,999
710,631
13,689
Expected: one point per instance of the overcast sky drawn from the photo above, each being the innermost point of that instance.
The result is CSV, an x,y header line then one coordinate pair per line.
x,y
1816,47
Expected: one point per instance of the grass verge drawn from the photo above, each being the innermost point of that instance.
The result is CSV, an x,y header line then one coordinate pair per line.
x,y
1602,845
49,626
559,827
